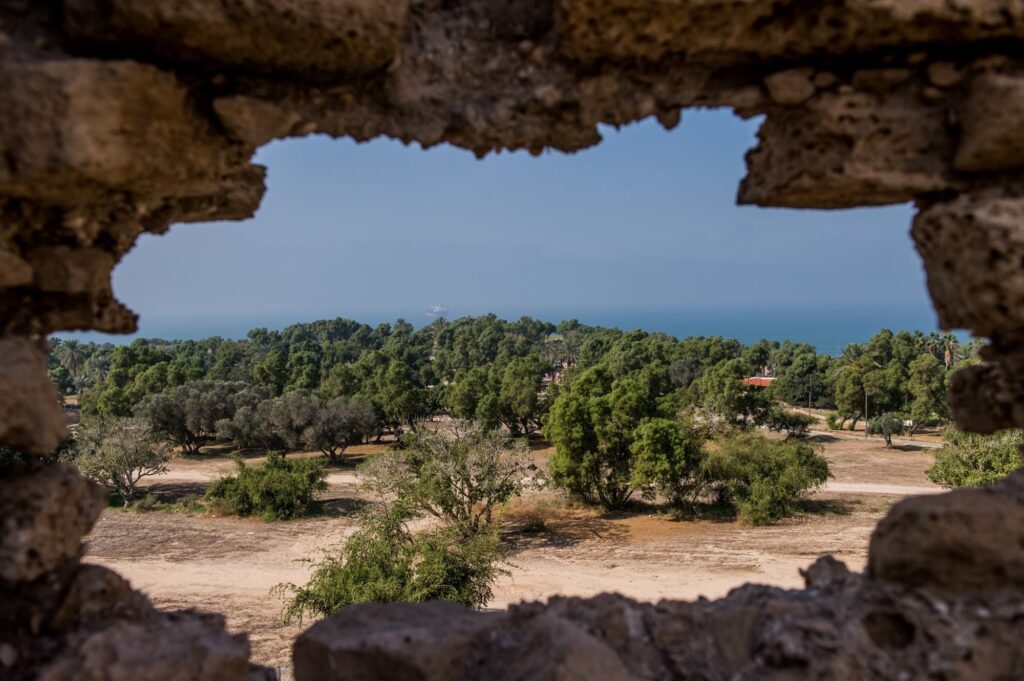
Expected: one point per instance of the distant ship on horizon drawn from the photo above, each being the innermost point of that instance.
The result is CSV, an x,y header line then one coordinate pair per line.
x,y
437,311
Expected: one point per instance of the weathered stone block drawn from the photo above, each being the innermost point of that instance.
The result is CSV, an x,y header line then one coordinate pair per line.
x,y
738,30
848,148
332,36
972,248
992,128
30,414
44,513
175,646
73,127
965,541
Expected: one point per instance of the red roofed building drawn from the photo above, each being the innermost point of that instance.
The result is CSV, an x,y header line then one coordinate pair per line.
x,y
759,381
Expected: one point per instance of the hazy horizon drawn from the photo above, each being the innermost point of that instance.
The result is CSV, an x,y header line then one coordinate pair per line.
x,y
643,224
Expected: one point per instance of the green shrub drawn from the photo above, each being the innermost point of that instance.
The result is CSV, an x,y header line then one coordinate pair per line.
x,y
763,480
970,460
887,426
278,490
793,424
833,422
383,562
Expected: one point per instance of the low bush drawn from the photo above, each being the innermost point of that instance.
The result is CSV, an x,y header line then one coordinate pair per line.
x,y
969,460
384,562
793,424
279,489
763,480
833,422
887,426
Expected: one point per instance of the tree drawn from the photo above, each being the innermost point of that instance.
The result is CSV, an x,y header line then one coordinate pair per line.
x,y
969,460
887,425
188,414
384,562
339,423
71,357
794,424
762,479
277,490
118,453
289,416
519,394
723,393
927,385
397,396
459,474
272,372
669,458
593,424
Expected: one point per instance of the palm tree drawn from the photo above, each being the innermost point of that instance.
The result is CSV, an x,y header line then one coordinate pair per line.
x,y
71,357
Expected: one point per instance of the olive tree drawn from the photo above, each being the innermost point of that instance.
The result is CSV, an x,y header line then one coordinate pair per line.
x,y
887,425
118,453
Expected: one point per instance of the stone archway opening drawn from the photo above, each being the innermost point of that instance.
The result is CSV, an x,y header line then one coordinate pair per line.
x,y
125,116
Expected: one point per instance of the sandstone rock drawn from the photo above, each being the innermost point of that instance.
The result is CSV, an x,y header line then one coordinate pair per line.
x,y
945,74
849,148
992,130
64,269
175,646
445,642
44,513
972,248
759,29
328,36
71,126
401,641
13,270
968,540
254,121
794,86
30,413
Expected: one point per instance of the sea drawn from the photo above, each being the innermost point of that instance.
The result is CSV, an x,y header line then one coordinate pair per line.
x,y
828,328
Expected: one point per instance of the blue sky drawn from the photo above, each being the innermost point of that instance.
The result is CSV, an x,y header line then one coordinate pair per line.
x,y
645,221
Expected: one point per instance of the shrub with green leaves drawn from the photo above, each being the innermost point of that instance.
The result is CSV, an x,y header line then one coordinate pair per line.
x,y
279,489
762,479
833,422
669,459
794,424
969,460
887,426
384,562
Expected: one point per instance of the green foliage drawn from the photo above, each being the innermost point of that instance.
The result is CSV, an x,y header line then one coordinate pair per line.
x,y
793,424
279,489
593,423
969,460
384,562
187,415
887,426
723,393
118,453
459,475
669,459
833,421
762,479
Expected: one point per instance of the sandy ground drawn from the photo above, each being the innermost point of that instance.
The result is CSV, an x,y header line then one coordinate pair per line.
x,y
230,565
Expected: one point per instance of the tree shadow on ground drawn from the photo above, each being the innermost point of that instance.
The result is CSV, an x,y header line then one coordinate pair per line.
x,y
563,530
827,506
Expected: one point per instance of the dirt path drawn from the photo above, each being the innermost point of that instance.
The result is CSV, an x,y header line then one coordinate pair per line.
x,y
230,565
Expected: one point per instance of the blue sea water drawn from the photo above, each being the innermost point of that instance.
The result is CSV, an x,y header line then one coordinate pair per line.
x,y
828,329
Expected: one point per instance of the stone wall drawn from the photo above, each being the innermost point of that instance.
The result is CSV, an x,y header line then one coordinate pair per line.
x,y
125,116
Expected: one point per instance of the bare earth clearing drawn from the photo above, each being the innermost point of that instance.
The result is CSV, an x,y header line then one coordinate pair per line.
x,y
230,565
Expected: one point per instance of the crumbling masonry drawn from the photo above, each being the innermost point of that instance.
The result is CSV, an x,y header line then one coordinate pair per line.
x,y
125,116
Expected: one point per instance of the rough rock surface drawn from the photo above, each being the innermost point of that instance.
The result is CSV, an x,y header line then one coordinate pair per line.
x,y
125,116
61,620
843,626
